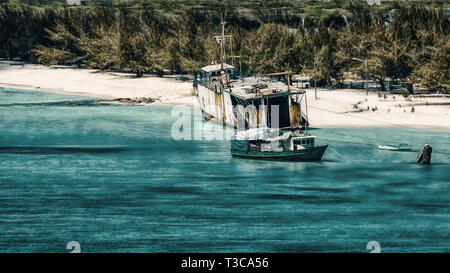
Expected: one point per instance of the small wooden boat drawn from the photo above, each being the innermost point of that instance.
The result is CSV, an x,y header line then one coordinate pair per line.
x,y
267,145
401,147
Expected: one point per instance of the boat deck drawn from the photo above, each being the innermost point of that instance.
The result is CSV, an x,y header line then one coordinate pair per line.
x,y
251,87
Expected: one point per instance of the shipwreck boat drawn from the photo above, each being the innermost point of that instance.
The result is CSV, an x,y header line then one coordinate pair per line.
x,y
273,144
219,92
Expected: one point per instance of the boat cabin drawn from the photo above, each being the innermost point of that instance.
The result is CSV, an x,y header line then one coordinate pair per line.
x,y
213,72
302,142
271,140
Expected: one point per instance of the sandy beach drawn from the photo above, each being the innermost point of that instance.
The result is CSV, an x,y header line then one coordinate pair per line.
x,y
333,108
95,83
352,108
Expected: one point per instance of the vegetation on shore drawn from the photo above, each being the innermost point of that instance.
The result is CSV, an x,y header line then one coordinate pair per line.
x,y
403,42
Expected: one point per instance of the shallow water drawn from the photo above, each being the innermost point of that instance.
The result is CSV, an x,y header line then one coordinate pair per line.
x,y
112,178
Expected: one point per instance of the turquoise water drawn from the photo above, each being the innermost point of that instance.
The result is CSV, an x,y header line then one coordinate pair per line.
x,y
112,178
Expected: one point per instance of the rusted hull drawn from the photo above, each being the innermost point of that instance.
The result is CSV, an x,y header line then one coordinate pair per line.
x,y
220,107
215,106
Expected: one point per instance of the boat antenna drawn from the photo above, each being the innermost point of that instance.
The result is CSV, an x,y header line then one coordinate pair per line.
x,y
221,40
222,45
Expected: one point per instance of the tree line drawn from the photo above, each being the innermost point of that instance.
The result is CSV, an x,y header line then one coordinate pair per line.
x,y
409,44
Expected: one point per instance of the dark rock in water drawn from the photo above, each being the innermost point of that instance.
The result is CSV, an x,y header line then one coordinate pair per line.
x,y
125,100
135,100
425,157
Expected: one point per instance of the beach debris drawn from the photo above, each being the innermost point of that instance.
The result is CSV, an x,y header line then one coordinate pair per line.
x,y
146,100
425,157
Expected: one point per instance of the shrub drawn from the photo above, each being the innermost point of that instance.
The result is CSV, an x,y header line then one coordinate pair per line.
x,y
405,94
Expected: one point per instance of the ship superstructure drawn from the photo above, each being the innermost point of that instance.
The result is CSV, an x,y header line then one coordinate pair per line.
x,y
262,100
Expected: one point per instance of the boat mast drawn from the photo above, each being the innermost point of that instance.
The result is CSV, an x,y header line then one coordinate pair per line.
x,y
222,72
221,40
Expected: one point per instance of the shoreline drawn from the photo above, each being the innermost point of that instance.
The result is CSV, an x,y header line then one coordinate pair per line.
x,y
50,90
89,95
95,83
340,108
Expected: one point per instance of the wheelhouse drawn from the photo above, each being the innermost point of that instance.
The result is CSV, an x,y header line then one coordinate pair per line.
x,y
303,142
213,72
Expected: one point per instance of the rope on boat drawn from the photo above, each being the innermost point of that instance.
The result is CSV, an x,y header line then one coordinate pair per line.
x,y
339,154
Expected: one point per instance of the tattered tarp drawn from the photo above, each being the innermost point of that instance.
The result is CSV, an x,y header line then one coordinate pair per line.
x,y
240,145
264,134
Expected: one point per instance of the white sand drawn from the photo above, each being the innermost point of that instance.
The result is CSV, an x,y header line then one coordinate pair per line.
x,y
331,109
107,85
336,109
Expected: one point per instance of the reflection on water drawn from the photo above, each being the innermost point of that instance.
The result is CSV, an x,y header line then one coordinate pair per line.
x,y
111,178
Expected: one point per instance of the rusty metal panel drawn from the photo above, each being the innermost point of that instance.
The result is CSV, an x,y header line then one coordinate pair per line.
x,y
229,114
294,113
218,105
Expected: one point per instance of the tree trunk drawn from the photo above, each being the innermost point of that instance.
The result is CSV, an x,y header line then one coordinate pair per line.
x,y
410,88
382,84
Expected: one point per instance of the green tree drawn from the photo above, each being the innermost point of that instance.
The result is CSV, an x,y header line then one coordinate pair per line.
x,y
103,47
436,72
274,49
65,46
